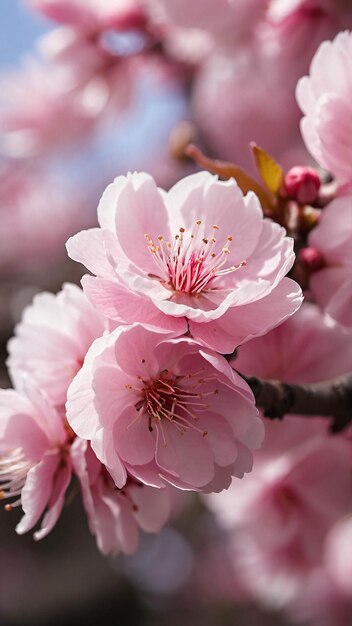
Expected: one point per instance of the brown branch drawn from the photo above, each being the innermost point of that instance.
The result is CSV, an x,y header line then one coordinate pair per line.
x,y
332,399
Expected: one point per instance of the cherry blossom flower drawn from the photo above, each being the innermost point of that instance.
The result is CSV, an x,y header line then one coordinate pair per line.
x,y
331,240
30,200
325,599
300,493
227,21
116,515
52,340
201,254
29,125
301,482
325,99
92,15
35,466
278,54
165,409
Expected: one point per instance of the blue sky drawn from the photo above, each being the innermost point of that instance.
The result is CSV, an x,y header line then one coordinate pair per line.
x,y
19,27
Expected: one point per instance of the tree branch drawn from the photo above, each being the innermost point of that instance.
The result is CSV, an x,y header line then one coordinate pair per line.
x,y
332,399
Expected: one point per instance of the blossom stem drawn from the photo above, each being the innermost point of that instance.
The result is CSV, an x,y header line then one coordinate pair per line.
x,y
331,398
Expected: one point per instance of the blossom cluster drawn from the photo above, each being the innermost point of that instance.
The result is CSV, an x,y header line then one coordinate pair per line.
x,y
88,71
289,522
124,385
133,389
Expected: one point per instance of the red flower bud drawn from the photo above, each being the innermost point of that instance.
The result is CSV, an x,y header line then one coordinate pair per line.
x,y
312,258
302,184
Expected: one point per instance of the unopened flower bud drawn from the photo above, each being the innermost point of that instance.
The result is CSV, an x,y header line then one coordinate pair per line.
x,y
302,184
312,258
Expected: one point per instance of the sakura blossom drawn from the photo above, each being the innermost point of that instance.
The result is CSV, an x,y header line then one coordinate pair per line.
x,y
325,599
35,465
92,14
184,382
31,130
202,254
239,82
165,410
226,21
301,478
116,515
30,199
324,98
331,242
275,552
51,341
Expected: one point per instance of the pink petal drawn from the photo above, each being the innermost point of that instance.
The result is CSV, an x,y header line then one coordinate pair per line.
x,y
141,200
148,474
126,529
220,438
241,323
153,507
133,439
37,491
187,456
115,301
103,445
111,395
88,248
56,503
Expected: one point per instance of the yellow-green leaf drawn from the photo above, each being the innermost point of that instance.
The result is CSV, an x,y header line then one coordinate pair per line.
x,y
269,170
227,170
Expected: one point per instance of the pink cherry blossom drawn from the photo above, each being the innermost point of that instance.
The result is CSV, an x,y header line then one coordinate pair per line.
x,y
326,597
165,409
227,21
301,477
35,467
52,340
299,493
116,515
92,15
337,554
309,347
29,125
30,200
332,242
201,254
325,99
230,116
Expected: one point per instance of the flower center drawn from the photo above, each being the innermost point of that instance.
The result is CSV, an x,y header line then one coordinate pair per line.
x,y
191,263
177,399
13,473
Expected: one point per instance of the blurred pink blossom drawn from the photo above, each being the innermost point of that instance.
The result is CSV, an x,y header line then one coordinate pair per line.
x,y
165,410
281,514
226,21
201,254
326,597
35,102
242,96
92,15
37,210
331,239
325,99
